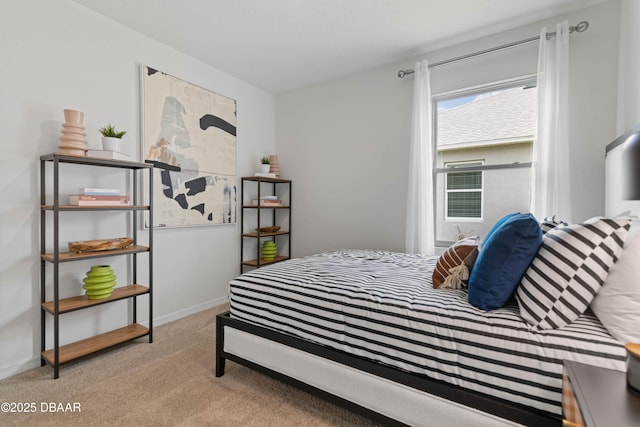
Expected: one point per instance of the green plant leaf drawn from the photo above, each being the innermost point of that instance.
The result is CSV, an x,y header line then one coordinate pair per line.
x,y
110,131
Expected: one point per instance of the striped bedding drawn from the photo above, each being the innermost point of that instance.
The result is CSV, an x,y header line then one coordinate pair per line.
x,y
382,306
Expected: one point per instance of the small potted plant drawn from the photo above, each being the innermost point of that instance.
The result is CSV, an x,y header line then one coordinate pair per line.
x,y
265,164
111,138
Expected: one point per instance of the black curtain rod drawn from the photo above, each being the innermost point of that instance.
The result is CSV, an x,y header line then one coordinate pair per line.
x,y
581,27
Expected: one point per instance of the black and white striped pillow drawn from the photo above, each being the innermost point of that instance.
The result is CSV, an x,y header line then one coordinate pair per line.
x,y
549,223
568,271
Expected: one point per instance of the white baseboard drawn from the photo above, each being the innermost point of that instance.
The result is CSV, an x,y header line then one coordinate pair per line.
x,y
157,321
19,367
8,371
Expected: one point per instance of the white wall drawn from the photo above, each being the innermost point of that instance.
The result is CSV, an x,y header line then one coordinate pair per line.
x,y
56,55
628,106
344,143
629,82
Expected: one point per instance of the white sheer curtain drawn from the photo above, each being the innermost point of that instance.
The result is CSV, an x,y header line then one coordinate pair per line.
x,y
551,186
420,214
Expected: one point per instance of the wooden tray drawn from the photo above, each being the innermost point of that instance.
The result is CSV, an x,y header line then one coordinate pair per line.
x,y
100,245
271,229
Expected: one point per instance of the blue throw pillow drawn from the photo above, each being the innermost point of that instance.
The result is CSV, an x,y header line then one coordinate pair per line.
x,y
506,254
497,225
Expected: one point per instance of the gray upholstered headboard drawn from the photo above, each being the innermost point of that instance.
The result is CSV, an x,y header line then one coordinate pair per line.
x,y
614,202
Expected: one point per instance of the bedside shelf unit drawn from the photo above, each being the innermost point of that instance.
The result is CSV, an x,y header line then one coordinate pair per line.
x,y
57,354
597,397
272,214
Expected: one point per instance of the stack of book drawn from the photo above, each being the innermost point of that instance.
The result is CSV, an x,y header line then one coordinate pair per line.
x,y
265,174
270,201
99,197
108,154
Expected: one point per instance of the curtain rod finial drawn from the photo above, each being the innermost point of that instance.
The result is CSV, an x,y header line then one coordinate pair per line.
x,y
582,26
403,73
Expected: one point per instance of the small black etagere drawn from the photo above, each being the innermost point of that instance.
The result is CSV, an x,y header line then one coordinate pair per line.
x,y
264,214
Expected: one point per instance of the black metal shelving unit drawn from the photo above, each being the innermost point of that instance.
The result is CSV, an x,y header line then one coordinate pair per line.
x,y
278,186
57,354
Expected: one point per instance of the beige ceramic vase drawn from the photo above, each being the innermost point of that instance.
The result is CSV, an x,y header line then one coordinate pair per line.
x,y
73,137
274,167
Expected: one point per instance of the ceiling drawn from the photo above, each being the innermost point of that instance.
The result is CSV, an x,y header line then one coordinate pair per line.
x,y
280,45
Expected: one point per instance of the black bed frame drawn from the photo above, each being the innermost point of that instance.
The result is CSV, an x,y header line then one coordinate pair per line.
x,y
498,407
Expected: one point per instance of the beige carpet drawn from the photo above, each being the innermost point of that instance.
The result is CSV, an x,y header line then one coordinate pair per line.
x,y
169,382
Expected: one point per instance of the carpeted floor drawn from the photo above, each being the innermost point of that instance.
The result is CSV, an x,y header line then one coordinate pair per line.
x,y
167,383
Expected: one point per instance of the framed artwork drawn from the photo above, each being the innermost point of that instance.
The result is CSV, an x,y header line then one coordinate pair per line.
x,y
190,134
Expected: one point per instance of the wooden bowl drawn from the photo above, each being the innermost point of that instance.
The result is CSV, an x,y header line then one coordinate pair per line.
x,y
270,229
100,245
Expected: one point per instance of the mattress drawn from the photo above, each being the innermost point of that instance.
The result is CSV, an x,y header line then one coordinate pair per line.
x,y
382,306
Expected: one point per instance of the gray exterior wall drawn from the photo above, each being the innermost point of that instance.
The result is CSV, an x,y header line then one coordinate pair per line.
x,y
503,191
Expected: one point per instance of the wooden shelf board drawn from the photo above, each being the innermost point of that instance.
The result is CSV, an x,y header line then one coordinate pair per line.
x,y
95,161
97,208
72,256
254,263
254,234
264,178
96,343
79,302
265,207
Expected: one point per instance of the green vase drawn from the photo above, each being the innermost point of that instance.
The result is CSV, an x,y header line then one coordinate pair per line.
x,y
99,282
269,250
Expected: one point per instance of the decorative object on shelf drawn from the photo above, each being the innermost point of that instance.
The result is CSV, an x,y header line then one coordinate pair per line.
x,y
270,229
274,167
100,245
91,191
265,174
108,154
98,200
270,201
269,250
99,282
111,138
73,139
633,368
194,129
264,164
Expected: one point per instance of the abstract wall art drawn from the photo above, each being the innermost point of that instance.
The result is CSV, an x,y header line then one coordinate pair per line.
x,y
194,129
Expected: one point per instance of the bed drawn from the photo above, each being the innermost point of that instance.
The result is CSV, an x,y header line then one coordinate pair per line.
x,y
366,328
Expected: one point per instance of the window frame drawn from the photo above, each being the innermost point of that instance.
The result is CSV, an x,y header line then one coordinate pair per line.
x,y
456,167
526,80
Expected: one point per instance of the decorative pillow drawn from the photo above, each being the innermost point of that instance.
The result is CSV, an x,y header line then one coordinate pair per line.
x,y
549,223
498,224
459,276
452,262
568,271
617,304
503,259
470,260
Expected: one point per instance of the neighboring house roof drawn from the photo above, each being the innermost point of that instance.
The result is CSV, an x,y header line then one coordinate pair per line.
x,y
501,117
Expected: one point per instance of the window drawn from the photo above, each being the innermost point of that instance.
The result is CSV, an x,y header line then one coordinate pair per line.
x,y
464,192
484,138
